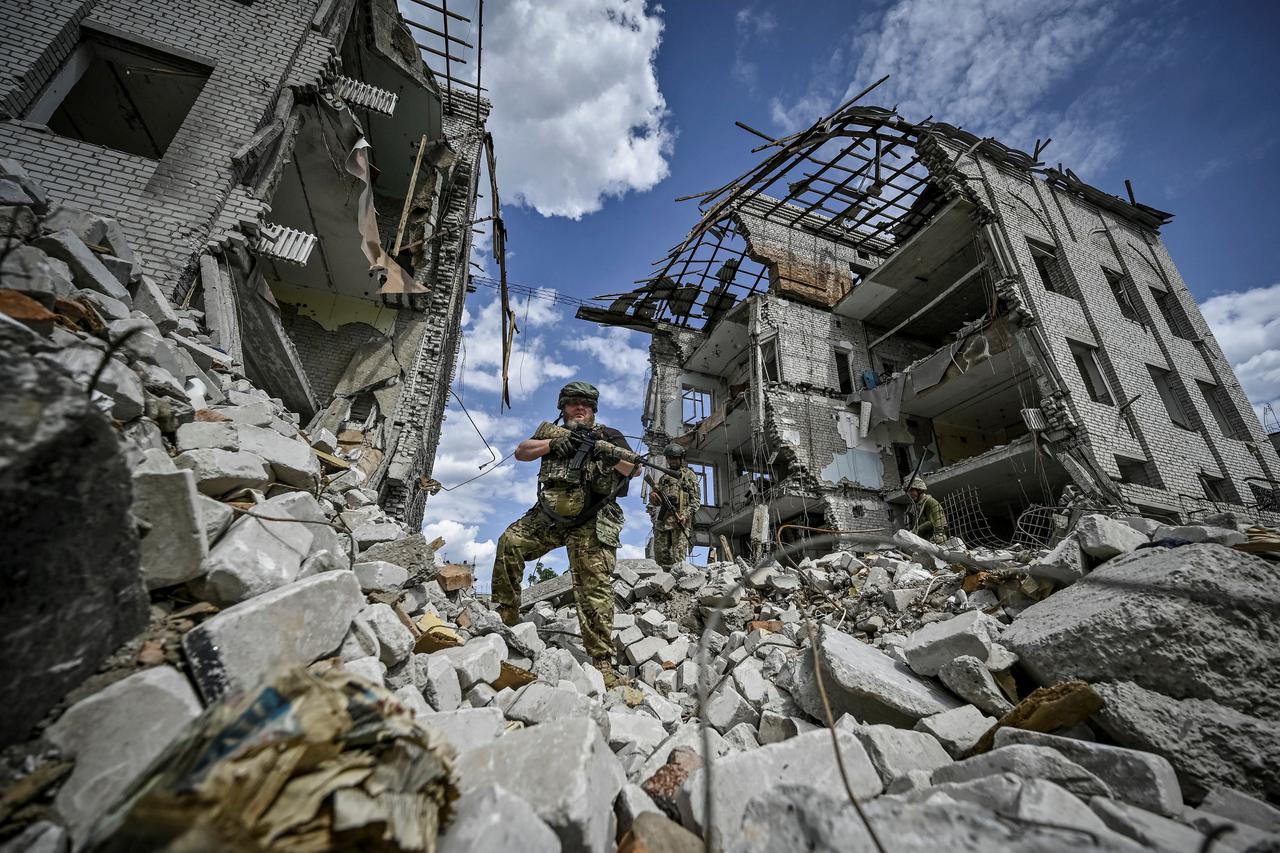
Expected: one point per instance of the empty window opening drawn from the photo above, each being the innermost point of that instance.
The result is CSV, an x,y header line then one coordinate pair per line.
x,y
1169,395
1138,472
696,404
769,360
1120,290
1045,257
707,479
121,96
844,375
1216,489
1219,403
1174,316
1087,363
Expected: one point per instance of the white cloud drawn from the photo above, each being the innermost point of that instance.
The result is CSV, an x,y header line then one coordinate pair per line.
x,y
990,66
1247,326
625,365
578,115
750,23
461,545
534,360
630,552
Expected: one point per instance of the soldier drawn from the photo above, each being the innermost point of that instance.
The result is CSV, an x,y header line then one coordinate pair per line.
x,y
925,517
577,507
676,499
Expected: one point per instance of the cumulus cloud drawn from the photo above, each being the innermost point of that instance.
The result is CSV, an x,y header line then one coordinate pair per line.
x,y
1247,326
578,114
535,357
991,66
624,361
750,23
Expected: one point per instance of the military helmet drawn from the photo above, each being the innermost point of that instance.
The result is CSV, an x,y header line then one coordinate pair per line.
x,y
673,451
579,390
918,483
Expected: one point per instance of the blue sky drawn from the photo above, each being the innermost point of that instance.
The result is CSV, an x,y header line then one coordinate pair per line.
x,y
607,110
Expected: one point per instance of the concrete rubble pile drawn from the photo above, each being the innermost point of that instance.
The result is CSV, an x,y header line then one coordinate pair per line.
x,y
1110,693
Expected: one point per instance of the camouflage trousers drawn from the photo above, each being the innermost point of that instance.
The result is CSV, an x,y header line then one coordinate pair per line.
x,y
670,546
590,561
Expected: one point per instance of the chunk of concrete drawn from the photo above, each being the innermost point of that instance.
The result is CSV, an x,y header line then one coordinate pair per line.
x,y
257,555
174,544
379,576
939,643
370,669
466,728
292,461
726,708
1209,745
971,680
896,752
742,776
685,734
86,270
395,641
220,471
1146,828
1029,762
1139,778
645,650
863,681
113,735
563,769
642,730
538,703
294,624
958,730
1103,538
633,802
1201,608
476,662
439,680
1200,533
1240,807
73,592
411,553
492,818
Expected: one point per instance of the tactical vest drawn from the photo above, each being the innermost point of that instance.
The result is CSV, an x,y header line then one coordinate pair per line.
x,y
571,497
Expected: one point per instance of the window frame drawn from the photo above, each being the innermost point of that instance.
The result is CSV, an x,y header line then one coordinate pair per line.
x,y
1094,380
700,399
1178,414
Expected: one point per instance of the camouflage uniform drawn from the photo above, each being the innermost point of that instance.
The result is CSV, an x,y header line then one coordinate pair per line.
x,y
592,545
670,538
927,519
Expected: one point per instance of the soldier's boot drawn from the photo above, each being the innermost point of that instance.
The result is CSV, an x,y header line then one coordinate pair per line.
x,y
611,677
510,616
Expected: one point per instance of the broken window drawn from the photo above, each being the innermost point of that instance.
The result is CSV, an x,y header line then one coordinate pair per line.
x,y
1120,290
1045,257
1174,316
1139,472
121,96
844,375
769,360
1087,363
1229,420
707,479
1163,380
696,404
1216,489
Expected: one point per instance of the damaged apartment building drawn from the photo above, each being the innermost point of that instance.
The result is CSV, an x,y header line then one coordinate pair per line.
x,y
293,168
880,299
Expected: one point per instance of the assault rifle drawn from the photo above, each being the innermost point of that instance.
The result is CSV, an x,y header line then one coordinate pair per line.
x,y
587,444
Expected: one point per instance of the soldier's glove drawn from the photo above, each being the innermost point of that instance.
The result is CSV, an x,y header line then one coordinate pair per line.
x,y
563,447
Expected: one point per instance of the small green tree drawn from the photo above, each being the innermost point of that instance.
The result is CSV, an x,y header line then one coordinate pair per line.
x,y
540,573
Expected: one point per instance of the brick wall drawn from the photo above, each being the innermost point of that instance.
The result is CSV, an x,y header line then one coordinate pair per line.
x,y
324,354
168,207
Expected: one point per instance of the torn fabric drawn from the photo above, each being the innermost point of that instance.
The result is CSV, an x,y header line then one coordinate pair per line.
x,y
394,278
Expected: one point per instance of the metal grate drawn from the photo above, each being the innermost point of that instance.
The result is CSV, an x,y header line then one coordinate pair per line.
x,y
364,95
966,519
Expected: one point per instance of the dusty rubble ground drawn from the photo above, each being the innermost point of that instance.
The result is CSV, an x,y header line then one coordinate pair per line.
x,y
177,542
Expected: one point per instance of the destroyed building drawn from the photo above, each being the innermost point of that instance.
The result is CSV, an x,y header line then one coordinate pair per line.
x,y
880,299
296,171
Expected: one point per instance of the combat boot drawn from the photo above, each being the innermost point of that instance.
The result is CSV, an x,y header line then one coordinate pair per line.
x,y
611,677
510,616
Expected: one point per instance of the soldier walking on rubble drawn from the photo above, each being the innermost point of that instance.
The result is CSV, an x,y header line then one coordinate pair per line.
x,y
925,517
676,499
583,472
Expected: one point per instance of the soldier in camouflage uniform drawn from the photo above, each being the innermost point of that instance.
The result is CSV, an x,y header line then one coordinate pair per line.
x,y
675,500
576,508
925,517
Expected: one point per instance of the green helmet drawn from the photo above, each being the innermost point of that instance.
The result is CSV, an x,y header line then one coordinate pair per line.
x,y
918,483
673,451
579,390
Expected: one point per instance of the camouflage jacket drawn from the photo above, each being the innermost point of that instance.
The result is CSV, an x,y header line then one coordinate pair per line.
x,y
567,492
684,494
